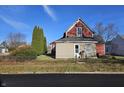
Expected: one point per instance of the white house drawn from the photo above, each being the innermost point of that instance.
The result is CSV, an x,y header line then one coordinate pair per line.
x,y
79,41
3,48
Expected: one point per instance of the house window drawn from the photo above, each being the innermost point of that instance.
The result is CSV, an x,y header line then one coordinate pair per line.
x,y
76,48
79,32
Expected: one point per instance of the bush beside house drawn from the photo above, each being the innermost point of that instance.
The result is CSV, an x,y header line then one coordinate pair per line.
x,y
24,53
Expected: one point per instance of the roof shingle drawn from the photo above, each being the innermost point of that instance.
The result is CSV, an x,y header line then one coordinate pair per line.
x,y
95,38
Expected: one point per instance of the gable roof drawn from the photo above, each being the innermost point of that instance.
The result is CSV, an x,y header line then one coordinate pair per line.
x,y
79,20
118,37
3,45
96,38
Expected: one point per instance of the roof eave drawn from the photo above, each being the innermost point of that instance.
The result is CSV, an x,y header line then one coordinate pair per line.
x,y
76,41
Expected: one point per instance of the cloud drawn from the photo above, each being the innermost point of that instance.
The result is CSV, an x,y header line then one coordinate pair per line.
x,y
13,23
50,12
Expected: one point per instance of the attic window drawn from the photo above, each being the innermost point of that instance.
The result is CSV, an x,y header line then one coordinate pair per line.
x,y
79,32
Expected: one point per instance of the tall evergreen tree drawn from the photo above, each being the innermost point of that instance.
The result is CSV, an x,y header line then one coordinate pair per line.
x,y
38,40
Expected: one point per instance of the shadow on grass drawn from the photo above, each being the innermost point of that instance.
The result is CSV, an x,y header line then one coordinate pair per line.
x,y
51,55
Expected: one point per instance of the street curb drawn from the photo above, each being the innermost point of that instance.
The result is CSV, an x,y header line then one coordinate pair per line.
x,y
64,73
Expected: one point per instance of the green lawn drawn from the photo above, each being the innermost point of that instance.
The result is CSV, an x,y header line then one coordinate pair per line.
x,y
119,57
44,57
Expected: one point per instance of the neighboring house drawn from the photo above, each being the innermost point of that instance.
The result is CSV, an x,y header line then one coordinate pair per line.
x,y
108,47
78,41
116,46
3,48
51,48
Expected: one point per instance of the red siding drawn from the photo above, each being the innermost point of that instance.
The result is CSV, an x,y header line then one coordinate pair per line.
x,y
72,32
86,31
79,24
100,49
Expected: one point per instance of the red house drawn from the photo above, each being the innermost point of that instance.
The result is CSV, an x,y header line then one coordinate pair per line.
x,y
78,41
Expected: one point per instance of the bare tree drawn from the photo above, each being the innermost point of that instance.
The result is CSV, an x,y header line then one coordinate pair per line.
x,y
15,39
111,32
106,32
100,29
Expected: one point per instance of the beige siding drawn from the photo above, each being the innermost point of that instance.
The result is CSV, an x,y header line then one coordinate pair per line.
x,y
64,50
94,49
81,46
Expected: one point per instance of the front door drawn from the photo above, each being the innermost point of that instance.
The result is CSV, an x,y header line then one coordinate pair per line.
x,y
76,50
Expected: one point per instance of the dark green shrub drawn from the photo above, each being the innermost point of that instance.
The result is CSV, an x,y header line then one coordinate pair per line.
x,y
113,57
11,49
24,53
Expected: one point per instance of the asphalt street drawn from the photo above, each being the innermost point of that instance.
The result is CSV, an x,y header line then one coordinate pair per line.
x,y
62,80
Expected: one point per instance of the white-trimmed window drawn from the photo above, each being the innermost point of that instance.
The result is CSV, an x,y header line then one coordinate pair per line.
x,y
79,32
76,48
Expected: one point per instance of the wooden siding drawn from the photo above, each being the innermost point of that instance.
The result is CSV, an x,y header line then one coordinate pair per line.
x,y
64,50
85,31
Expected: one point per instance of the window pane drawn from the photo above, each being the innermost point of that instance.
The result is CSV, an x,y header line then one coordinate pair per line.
x,y
79,31
76,49
76,46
